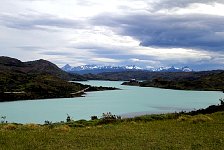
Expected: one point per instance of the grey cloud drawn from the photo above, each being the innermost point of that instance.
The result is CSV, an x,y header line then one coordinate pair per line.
x,y
44,51
30,48
88,46
186,31
113,52
56,53
38,22
168,4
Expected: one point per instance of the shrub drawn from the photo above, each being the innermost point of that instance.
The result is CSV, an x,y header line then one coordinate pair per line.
x,y
200,119
94,117
46,122
73,125
3,119
62,128
109,118
31,126
68,119
221,101
10,127
184,118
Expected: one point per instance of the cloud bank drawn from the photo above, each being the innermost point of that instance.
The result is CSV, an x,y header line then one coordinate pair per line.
x,y
149,33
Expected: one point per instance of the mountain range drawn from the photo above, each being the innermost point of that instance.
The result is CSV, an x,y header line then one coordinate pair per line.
x,y
96,69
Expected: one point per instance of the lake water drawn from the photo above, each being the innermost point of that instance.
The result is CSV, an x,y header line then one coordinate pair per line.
x,y
129,101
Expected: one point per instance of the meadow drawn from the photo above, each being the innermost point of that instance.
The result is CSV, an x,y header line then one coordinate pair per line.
x,y
166,131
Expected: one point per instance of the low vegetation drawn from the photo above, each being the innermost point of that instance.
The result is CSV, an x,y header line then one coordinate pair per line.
x,y
197,132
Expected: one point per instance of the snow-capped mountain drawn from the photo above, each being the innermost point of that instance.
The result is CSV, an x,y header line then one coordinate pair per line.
x,y
94,69
67,68
186,69
172,69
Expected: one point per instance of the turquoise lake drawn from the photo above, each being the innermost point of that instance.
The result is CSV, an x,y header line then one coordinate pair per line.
x,y
128,102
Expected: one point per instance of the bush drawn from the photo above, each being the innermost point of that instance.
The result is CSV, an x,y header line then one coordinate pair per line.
x,y
109,118
46,122
221,101
94,117
62,128
200,119
31,126
184,118
10,127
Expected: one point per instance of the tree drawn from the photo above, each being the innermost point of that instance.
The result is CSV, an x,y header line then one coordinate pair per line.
x,y
68,119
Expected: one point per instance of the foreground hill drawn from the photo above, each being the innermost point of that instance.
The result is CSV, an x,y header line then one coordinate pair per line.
x,y
36,80
210,80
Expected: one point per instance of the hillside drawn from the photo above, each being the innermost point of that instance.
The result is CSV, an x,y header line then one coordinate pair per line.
x,y
35,80
12,65
210,80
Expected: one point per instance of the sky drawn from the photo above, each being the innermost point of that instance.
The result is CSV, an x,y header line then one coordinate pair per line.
x,y
146,33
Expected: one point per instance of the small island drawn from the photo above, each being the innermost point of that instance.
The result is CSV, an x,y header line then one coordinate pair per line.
x,y
132,82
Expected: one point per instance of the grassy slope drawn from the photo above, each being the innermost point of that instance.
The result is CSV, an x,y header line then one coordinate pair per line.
x,y
157,134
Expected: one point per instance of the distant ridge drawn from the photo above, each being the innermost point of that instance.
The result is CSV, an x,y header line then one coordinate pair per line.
x,y
207,81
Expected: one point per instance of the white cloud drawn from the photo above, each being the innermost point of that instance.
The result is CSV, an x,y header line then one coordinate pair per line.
x,y
62,32
105,60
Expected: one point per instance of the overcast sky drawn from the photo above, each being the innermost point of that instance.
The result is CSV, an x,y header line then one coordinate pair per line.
x,y
147,33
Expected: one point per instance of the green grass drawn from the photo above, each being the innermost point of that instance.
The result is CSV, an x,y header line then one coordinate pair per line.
x,y
203,132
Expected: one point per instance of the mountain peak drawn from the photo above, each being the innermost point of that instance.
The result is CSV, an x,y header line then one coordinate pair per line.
x,y
186,69
67,68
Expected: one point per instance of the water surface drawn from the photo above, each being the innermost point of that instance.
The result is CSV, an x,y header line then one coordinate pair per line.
x,y
126,102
